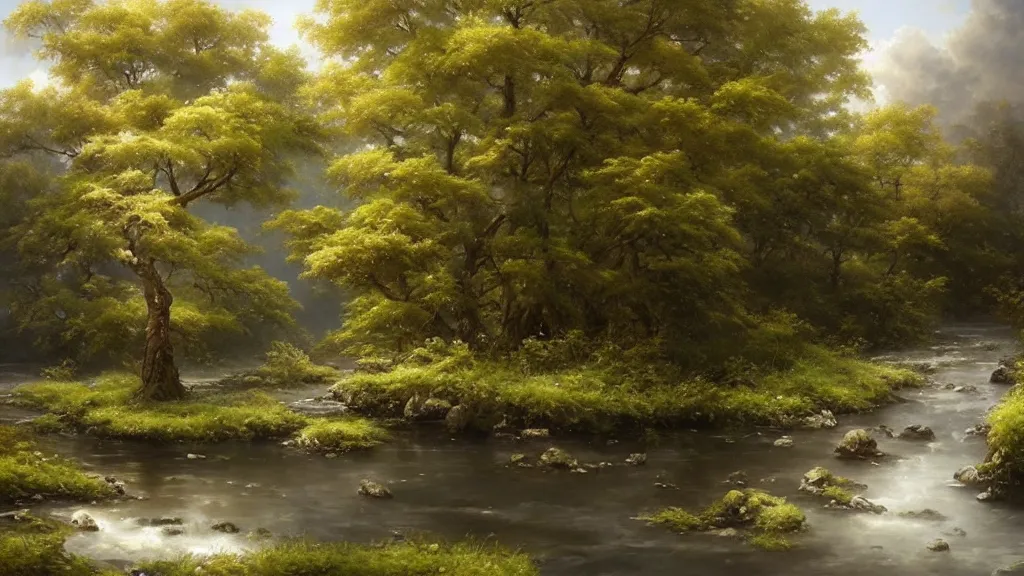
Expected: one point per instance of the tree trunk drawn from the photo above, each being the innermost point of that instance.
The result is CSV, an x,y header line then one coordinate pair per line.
x,y
160,380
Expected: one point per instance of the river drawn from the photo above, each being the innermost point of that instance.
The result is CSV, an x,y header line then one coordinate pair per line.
x,y
582,524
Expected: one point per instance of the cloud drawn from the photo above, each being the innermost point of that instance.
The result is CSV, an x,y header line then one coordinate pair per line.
x,y
979,62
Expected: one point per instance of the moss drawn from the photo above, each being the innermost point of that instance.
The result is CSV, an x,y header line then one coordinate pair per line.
x,y
675,519
840,495
341,435
601,398
310,559
25,473
106,409
767,517
770,541
1004,466
31,546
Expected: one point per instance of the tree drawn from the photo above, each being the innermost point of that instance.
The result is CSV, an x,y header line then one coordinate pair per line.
x,y
156,107
533,168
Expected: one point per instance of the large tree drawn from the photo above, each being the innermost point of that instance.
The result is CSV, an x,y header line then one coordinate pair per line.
x,y
534,167
155,107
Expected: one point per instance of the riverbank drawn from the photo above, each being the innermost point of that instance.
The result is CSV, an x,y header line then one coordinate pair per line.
x,y
482,396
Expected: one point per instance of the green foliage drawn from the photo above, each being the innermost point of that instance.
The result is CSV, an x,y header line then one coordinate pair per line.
x,y
1005,462
768,517
840,495
30,546
25,472
341,435
285,366
312,559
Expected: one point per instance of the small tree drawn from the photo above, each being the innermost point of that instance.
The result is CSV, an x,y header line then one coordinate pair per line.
x,y
155,107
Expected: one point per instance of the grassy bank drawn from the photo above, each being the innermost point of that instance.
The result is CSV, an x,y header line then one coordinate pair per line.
x,y
603,397
26,474
105,408
1003,469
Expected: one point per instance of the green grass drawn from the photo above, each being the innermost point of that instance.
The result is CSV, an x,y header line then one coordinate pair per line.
x,y
594,399
310,559
768,518
106,409
840,495
31,546
25,473
341,435
1005,463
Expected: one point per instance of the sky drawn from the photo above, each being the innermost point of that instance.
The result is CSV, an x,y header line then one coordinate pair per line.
x,y
886,21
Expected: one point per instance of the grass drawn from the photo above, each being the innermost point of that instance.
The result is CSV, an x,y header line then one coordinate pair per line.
x,y
105,409
25,473
840,495
767,518
600,399
311,559
341,435
31,546
1005,463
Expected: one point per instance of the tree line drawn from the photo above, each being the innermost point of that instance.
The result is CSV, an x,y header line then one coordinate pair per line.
x,y
684,178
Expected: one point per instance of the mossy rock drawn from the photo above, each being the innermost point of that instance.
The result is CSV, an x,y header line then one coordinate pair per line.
x,y
858,444
558,458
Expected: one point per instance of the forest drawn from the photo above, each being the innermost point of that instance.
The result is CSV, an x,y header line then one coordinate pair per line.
x,y
570,217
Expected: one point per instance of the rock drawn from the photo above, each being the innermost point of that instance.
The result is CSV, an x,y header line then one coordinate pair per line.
x,y
558,458
225,527
825,420
949,386
373,490
957,531
862,504
739,478
535,433
968,476
939,545
978,430
426,410
165,521
857,444
986,496
1016,569
968,389
784,442
262,534
638,459
579,471
883,430
666,486
518,460
458,419
917,432
84,522
195,457
726,532
172,531
1002,375
926,514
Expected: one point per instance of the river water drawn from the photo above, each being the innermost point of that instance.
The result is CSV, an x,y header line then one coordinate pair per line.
x,y
582,524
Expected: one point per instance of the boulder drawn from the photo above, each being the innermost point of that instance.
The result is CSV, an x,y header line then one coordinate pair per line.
x,y
739,478
726,532
84,522
426,409
815,478
638,459
857,444
225,527
519,460
535,433
172,531
458,418
968,476
784,442
917,432
1002,375
373,490
987,496
558,458
939,545
862,504
825,420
